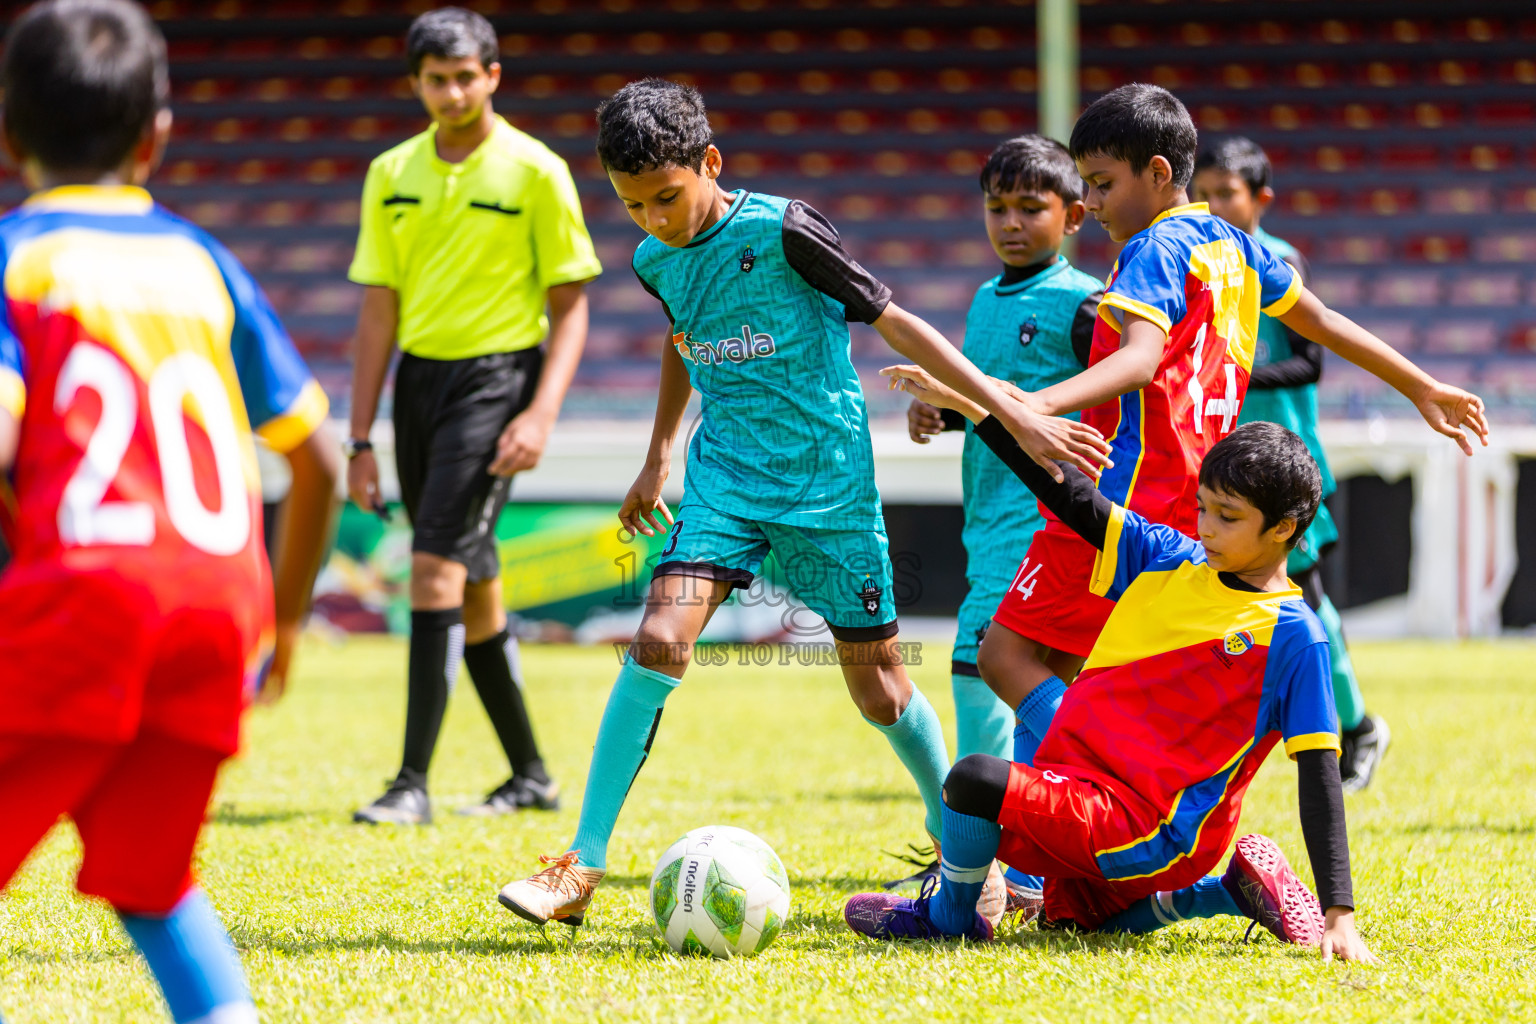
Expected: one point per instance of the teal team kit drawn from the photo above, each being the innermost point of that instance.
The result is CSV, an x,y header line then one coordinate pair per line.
x,y
1028,326
780,459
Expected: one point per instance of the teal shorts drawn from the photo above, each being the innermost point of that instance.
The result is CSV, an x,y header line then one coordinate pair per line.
x,y
981,600
1320,536
842,575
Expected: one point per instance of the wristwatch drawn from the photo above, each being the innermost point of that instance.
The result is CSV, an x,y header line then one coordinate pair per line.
x,y
352,446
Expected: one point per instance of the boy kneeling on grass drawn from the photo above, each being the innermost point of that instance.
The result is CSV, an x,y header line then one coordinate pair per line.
x,y
1209,656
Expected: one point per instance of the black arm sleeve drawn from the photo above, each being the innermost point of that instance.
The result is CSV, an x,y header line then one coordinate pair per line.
x,y
1076,501
952,420
1305,366
1082,327
657,295
1321,798
816,253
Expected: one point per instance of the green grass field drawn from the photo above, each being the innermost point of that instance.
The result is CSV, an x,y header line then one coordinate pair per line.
x,y
338,922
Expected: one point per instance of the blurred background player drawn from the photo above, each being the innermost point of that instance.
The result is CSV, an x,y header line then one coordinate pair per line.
x,y
136,354
1032,326
759,292
1234,179
1171,355
469,230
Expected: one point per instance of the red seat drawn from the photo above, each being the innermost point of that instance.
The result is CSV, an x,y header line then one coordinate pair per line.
x,y
312,257
1310,202
818,83
250,48
1428,114
318,48
1360,116
302,129
1312,75
1360,249
389,47
715,43
281,213
1522,339
859,122
1485,157
582,44
967,163
925,121
1335,32
329,300
370,127
252,254
213,213
1410,158
900,252
1201,33
1289,117
179,50
1477,30
1506,247
188,172
1505,114
1520,199
1386,201
1096,78
276,89
650,43
328,169
1339,288
1517,72
256,170
990,39
1335,159
1453,72
205,90
858,206
1459,199
347,87
819,163
234,129
936,206
1436,248
1003,121
1243,76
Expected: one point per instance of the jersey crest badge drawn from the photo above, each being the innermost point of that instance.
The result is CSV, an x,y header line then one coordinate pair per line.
x,y
870,595
1238,643
1027,331
748,257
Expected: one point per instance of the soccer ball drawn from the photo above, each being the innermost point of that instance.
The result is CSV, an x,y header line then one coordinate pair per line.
x,y
719,890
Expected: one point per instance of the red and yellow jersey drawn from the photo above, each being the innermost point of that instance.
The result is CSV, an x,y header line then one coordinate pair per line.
x,y
1205,283
1189,686
136,354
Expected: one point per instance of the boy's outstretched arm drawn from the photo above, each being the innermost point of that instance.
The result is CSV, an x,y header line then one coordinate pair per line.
x,y
1071,495
1045,439
1445,408
1129,368
1320,796
638,513
302,533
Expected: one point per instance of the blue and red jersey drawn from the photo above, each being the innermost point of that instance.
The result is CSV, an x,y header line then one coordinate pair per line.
x,y
1205,283
1190,685
139,359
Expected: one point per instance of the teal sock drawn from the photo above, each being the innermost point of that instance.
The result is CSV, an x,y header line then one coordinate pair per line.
x,y
982,722
1346,688
623,741
970,845
1206,898
1036,710
918,739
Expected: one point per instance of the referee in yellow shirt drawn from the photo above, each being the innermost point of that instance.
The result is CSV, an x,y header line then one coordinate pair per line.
x,y
469,230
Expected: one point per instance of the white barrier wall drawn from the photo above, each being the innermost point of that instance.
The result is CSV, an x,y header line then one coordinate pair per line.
x,y
1463,519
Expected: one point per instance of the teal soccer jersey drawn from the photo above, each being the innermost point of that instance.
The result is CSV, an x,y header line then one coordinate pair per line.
x,y
1034,330
759,305
1283,389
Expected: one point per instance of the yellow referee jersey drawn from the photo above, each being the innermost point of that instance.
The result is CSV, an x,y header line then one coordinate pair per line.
x,y
471,247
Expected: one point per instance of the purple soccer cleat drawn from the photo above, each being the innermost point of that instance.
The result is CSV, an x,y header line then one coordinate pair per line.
x,y
884,915
1260,879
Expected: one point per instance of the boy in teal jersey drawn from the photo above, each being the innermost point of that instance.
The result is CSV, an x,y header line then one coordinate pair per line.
x,y
759,291
1234,178
1032,326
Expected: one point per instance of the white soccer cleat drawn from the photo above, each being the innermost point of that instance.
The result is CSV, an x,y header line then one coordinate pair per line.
x,y
561,892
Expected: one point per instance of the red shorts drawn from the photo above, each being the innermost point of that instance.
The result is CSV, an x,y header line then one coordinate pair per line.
x,y
1054,825
139,808
1049,600
97,657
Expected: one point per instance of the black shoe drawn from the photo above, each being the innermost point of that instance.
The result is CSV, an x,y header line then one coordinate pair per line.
x,y
917,858
404,803
1363,748
518,793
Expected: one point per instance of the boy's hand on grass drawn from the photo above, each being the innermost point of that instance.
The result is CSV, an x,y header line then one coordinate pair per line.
x,y
1448,409
1341,939
923,421
638,513
521,444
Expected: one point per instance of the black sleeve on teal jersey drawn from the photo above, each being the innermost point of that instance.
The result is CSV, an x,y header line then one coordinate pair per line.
x,y
647,286
952,420
1320,795
816,253
1305,366
1076,501
1082,328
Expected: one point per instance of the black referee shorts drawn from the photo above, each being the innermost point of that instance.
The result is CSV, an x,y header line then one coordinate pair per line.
x,y
449,414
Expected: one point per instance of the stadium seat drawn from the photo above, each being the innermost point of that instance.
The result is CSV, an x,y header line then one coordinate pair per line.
x,y
1436,248
188,172
1311,75
1289,117
281,213
1243,76
1432,114
1413,157
1360,116
213,213
1505,114
1486,289
329,300
859,206
1356,249
1459,337
1310,202
257,170
1336,159
1459,200
1506,247
1521,199
1485,157
1404,288
1339,287
1386,202
311,257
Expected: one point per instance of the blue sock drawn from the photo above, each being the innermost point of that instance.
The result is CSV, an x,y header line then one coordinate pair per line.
x,y
1206,898
983,723
970,845
918,739
623,741
190,955
1035,711
1024,745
